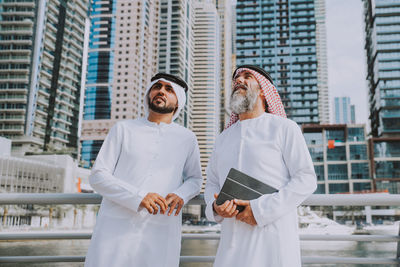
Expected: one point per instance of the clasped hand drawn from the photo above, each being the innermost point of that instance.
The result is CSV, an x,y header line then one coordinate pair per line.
x,y
228,210
153,202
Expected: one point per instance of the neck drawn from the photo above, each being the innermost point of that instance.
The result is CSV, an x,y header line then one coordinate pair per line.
x,y
158,117
257,111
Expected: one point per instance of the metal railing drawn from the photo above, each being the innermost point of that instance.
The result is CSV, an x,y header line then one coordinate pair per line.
x,y
314,200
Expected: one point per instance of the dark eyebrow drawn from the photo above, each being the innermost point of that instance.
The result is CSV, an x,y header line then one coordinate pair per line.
x,y
246,73
157,84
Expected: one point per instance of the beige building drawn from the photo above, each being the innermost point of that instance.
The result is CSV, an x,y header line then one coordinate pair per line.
x,y
207,79
225,8
322,58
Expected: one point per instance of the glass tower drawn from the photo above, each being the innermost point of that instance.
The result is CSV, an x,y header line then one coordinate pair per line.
x,y
176,48
287,38
344,111
382,46
98,90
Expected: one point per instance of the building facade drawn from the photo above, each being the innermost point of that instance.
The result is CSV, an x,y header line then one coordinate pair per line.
x,y
341,157
344,111
122,59
207,79
382,46
43,174
176,48
385,163
288,39
225,11
42,54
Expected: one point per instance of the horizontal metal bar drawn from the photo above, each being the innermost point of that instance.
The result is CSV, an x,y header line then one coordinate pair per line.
x,y
303,237
353,200
349,260
311,260
362,238
197,259
25,259
44,236
200,236
51,198
313,200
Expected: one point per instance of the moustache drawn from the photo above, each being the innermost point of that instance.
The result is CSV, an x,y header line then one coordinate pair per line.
x,y
159,96
239,86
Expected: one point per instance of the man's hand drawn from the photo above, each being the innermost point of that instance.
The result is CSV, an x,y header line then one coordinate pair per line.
x,y
150,202
173,201
246,215
226,210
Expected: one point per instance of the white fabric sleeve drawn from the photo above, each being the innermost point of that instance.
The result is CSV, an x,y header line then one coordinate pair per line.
x,y
302,183
102,179
192,178
212,187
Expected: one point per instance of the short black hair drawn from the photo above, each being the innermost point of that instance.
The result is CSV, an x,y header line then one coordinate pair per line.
x,y
255,68
171,78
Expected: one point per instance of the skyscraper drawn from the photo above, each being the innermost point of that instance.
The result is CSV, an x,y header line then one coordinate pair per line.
x,y
207,78
344,111
382,46
175,49
41,64
224,8
287,38
122,59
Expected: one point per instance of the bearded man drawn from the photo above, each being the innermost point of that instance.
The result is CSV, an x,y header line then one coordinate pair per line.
x,y
145,169
261,142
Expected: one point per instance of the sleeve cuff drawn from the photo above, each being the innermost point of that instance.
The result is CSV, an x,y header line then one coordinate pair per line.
x,y
211,215
179,194
138,199
257,212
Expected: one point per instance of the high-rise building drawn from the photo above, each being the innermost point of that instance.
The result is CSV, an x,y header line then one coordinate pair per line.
x,y
341,157
224,8
42,67
175,49
382,46
207,78
344,111
122,59
288,39
352,114
385,163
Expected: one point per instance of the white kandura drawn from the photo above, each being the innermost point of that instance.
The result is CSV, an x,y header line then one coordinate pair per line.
x,y
138,157
271,149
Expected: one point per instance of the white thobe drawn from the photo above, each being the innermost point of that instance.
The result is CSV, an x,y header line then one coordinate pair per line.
x,y
271,149
136,158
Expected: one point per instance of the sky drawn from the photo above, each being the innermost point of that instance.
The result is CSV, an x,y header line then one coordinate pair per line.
x,y
346,55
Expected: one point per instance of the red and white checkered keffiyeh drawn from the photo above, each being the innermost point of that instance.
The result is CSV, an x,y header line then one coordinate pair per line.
x,y
270,93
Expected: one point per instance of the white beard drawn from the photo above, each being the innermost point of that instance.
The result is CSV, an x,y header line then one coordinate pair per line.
x,y
242,103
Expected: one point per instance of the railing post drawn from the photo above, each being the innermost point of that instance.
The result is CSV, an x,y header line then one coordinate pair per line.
x,y
368,215
398,248
5,212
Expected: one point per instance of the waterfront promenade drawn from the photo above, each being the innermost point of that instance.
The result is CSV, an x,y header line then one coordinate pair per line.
x,y
207,242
